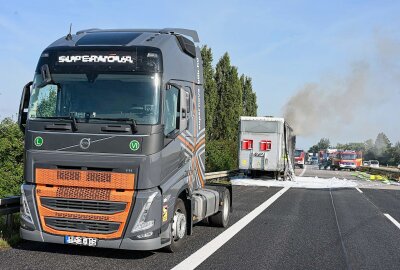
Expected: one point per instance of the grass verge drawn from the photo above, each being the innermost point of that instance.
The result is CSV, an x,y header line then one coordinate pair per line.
x,y
9,236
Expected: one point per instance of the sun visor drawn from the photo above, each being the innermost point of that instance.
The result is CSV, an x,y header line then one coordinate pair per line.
x,y
136,59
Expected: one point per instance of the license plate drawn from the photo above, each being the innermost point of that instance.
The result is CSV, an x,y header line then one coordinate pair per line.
x,y
81,241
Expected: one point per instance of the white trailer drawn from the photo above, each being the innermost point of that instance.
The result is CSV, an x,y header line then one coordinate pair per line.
x,y
266,146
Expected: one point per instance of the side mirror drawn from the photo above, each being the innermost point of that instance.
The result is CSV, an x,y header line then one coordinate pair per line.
x,y
184,114
46,76
23,106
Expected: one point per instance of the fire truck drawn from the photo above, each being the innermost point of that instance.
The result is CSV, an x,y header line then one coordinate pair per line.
x,y
299,158
346,159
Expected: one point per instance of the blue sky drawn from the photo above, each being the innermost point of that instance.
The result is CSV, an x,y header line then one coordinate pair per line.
x,y
282,45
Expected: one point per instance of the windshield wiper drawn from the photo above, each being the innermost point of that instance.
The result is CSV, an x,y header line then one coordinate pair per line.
x,y
72,118
131,121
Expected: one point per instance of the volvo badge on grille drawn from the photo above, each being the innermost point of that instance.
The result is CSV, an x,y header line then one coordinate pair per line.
x,y
85,143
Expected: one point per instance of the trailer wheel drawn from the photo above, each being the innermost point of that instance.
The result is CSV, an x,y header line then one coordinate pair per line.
x,y
178,227
221,219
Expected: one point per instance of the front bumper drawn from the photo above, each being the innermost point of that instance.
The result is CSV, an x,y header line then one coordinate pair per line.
x,y
345,166
33,229
126,243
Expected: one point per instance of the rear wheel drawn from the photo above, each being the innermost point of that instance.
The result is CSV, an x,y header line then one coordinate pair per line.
x,y
179,226
221,219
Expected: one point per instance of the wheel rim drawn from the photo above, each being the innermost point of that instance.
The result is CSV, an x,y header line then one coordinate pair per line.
x,y
226,208
179,225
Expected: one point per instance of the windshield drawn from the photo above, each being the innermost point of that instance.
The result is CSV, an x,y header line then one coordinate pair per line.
x,y
348,156
98,96
297,153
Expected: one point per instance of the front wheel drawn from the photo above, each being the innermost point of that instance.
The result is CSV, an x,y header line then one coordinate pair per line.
x,y
221,219
179,227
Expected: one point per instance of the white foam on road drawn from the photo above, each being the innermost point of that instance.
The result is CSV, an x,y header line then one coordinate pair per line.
x,y
304,170
298,182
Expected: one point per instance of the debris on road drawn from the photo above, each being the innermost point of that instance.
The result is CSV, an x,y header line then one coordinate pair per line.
x,y
372,177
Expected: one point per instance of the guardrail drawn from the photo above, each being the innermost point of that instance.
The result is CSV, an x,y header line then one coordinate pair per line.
x,y
9,206
221,174
391,173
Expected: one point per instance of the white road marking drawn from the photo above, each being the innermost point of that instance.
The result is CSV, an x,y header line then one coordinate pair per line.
x,y
304,170
359,190
207,250
393,220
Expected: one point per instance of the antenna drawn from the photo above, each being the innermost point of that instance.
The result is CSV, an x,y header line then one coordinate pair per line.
x,y
69,36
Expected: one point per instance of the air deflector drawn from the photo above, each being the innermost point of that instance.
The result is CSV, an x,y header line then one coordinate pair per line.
x,y
107,38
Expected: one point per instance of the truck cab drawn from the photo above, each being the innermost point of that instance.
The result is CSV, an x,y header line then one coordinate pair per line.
x,y
346,160
115,141
299,158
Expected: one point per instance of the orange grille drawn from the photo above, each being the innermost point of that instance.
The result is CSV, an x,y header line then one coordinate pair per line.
x,y
68,175
78,178
99,194
84,185
84,193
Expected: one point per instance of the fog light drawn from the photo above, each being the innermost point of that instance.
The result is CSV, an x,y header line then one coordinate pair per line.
x,y
145,235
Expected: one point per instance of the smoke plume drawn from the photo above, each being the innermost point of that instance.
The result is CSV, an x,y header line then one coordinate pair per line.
x,y
339,102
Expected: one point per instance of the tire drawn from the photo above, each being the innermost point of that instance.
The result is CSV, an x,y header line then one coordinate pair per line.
x,y
252,174
221,219
180,216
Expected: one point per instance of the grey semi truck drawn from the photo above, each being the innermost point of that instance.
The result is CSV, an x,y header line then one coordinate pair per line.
x,y
115,142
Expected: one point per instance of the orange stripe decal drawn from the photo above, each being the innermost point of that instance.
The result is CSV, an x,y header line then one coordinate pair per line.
x,y
186,143
200,143
199,172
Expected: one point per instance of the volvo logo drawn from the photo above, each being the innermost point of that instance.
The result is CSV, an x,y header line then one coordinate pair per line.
x,y
85,143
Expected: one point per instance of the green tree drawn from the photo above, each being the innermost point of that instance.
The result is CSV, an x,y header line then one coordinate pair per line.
x,y
222,155
210,91
229,106
323,143
352,146
11,158
382,144
395,155
47,105
224,104
249,98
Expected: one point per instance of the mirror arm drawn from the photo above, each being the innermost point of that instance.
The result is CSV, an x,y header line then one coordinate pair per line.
x,y
24,103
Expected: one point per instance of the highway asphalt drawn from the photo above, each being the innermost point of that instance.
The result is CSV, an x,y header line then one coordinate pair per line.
x,y
302,229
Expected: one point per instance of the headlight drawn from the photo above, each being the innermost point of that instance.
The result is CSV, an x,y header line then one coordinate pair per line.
x,y
26,213
141,224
